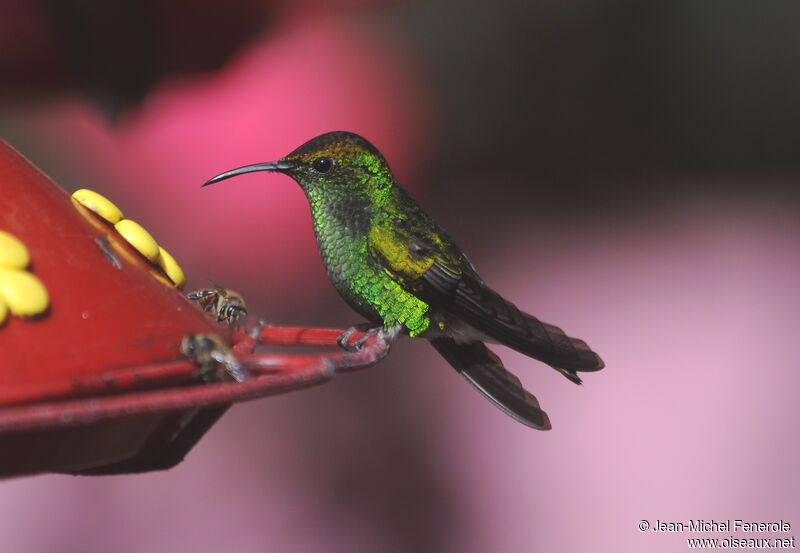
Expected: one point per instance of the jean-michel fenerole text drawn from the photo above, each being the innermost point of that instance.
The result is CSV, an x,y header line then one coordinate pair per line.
x,y
701,525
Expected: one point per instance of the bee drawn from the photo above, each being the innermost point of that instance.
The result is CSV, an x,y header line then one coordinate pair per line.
x,y
224,304
214,359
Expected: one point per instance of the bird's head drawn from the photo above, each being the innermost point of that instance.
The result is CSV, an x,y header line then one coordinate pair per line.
x,y
339,164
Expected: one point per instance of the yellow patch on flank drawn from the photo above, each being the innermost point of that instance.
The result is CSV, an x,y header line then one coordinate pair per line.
x,y
394,251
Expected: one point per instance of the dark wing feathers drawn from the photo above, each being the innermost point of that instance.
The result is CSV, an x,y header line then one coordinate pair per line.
x,y
484,370
441,281
428,263
487,311
589,358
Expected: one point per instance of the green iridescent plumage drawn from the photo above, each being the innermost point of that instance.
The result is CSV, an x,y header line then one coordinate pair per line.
x,y
344,228
393,264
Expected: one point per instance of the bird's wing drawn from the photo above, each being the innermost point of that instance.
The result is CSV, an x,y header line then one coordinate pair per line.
x,y
484,370
428,264
487,311
419,256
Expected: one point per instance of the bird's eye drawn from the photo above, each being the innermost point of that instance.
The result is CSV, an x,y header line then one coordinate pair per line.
x,y
322,165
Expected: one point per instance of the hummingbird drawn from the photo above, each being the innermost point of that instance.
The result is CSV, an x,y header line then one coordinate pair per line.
x,y
397,267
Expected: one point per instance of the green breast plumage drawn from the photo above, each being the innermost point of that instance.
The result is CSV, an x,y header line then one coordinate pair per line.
x,y
342,237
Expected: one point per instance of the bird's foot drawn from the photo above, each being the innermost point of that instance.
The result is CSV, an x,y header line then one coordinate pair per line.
x,y
344,338
386,334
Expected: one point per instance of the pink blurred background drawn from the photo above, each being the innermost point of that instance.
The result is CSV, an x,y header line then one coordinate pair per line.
x,y
652,212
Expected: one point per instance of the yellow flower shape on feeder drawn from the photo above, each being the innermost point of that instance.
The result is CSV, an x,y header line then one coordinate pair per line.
x,y
21,293
133,233
13,253
139,238
99,204
171,267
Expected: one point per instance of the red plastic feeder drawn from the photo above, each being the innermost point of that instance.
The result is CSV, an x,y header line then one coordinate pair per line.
x,y
97,383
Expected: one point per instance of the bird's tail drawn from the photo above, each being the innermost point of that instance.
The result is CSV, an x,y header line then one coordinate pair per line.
x,y
484,370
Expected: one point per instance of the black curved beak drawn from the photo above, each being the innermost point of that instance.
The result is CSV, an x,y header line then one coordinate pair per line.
x,y
279,166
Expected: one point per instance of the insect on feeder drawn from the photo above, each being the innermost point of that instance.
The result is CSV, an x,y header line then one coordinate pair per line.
x,y
93,376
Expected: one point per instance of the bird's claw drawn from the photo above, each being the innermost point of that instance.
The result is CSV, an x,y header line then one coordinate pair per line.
x,y
344,338
360,342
